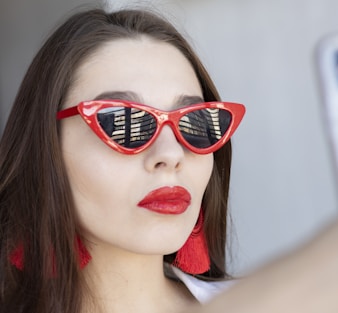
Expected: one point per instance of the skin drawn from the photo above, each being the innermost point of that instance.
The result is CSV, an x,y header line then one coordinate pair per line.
x,y
127,243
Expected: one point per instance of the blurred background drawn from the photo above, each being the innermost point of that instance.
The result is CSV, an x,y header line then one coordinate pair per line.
x,y
260,53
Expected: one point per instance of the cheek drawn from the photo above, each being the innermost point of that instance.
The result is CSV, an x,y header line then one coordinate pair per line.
x,y
94,175
100,191
198,176
91,165
202,171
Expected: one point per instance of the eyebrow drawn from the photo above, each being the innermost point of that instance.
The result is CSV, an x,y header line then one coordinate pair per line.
x,y
121,95
185,100
180,101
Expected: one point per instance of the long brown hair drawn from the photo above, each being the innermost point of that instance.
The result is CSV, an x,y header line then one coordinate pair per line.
x,y
36,206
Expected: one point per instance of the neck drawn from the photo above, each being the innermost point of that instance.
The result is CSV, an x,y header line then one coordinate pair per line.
x,y
128,282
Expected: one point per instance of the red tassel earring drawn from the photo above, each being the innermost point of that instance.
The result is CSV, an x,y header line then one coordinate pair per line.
x,y
193,257
84,255
17,256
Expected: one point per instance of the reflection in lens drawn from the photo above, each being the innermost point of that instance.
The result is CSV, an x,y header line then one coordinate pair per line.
x,y
203,128
128,127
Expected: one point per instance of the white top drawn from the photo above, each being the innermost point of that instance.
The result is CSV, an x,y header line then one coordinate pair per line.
x,y
202,290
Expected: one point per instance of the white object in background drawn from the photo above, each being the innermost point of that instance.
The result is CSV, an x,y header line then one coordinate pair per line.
x,y
327,63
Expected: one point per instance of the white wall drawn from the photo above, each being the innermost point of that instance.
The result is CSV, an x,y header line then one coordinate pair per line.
x,y
260,52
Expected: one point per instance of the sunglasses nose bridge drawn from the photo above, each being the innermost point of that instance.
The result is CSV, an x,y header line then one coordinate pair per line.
x,y
164,118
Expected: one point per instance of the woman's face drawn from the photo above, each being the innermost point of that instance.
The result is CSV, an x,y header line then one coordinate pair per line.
x,y
108,186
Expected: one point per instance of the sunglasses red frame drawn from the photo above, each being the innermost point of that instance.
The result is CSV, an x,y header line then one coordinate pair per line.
x,y
89,109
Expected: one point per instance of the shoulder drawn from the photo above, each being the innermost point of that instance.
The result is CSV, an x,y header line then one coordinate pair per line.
x,y
202,290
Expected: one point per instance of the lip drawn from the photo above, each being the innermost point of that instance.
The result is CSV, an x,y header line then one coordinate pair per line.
x,y
167,200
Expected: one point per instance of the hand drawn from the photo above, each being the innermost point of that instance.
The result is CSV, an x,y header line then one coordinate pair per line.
x,y
305,281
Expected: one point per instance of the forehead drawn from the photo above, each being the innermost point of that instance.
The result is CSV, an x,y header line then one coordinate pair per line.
x,y
152,69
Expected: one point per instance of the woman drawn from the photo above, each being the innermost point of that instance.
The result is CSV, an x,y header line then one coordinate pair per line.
x,y
91,206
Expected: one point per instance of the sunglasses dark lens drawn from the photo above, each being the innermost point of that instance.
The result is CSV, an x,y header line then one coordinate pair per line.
x,y
128,127
204,128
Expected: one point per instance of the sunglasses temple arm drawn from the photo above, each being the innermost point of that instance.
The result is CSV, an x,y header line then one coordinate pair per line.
x,y
67,113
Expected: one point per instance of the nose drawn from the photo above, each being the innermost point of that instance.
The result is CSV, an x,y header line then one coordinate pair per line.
x,y
166,153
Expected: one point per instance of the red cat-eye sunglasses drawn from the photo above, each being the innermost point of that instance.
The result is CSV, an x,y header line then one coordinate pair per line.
x,y
130,127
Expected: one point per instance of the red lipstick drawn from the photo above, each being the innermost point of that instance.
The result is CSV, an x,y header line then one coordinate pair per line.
x,y
167,200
